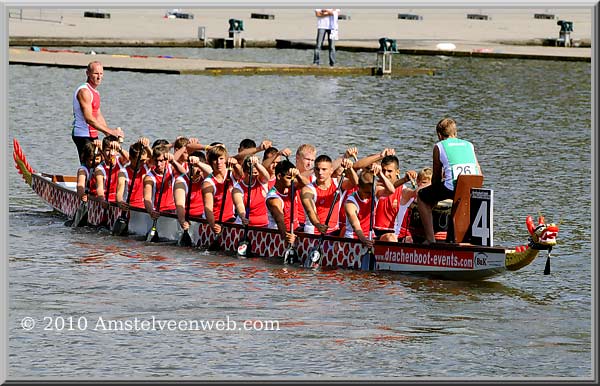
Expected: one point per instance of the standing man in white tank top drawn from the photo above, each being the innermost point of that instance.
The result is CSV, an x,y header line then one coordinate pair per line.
x,y
87,118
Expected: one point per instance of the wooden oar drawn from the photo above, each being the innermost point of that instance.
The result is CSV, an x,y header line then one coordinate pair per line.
x,y
214,246
153,234
315,254
186,239
120,226
243,249
368,259
290,256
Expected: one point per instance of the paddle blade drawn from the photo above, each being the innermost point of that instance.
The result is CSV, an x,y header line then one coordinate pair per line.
x,y
372,260
315,255
290,256
119,227
216,244
367,261
185,240
80,218
547,267
364,262
152,236
313,258
243,249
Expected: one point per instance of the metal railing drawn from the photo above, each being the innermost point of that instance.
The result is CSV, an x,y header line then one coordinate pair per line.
x,y
19,15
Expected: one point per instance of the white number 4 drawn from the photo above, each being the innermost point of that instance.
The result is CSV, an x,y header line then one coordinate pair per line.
x,y
481,227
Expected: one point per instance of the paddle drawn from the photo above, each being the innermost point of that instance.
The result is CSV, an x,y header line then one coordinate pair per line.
x,y
243,249
316,253
186,239
290,256
80,217
368,259
120,226
107,196
153,234
214,246
547,267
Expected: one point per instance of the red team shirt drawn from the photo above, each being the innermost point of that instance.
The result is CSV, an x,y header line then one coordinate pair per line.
x,y
258,207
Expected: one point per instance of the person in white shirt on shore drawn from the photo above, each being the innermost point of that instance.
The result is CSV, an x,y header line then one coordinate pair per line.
x,y
327,24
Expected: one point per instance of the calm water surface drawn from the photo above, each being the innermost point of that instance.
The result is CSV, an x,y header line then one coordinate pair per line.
x,y
530,122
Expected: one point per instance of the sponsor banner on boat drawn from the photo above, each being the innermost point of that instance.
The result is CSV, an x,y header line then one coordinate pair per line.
x,y
489,260
424,257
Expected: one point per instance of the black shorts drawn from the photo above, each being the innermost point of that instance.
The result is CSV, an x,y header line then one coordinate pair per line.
x,y
80,142
434,194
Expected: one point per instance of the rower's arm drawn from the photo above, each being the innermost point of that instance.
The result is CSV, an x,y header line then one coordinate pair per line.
x,y
351,152
81,180
178,166
268,161
275,206
124,155
148,199
300,179
206,169
235,168
407,194
237,196
208,197
99,184
146,144
386,188
121,186
366,161
264,145
370,159
309,206
180,199
351,180
351,215
263,173
436,177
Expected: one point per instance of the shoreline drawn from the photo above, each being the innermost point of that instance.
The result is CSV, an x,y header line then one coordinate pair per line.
x,y
535,49
505,33
267,43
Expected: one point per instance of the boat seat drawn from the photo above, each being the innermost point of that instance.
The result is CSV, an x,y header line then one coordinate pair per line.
x,y
460,214
60,178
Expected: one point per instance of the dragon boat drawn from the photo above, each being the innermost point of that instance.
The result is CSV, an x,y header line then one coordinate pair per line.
x,y
467,253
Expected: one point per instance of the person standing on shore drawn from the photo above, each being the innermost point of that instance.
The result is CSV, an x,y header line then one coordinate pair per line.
x,y
87,118
327,23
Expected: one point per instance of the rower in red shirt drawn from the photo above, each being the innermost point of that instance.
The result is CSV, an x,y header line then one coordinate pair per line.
x,y
317,197
258,193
